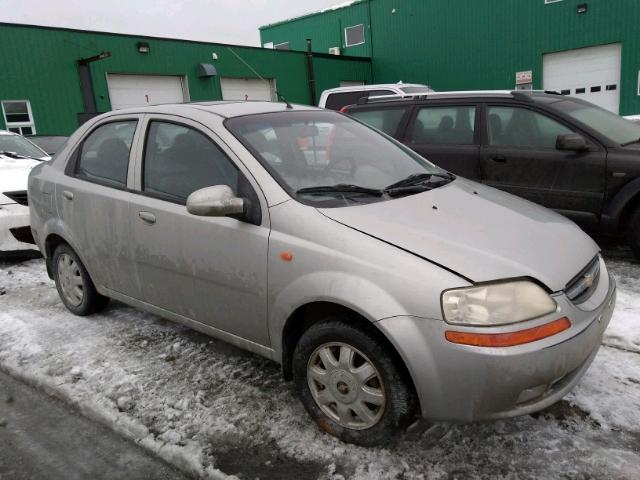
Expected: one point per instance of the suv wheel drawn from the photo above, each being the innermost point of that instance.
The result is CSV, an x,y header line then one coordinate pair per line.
x,y
351,385
634,232
74,285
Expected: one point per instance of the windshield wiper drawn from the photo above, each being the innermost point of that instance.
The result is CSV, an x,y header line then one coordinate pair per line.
x,y
418,180
15,155
630,143
341,188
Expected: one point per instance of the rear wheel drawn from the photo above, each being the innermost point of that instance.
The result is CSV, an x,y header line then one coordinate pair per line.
x,y
74,285
633,232
351,385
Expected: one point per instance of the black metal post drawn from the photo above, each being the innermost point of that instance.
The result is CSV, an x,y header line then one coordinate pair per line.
x,y
311,74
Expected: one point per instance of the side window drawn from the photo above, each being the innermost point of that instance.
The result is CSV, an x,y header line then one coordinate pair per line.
x,y
521,127
335,101
179,160
387,119
380,93
445,126
104,155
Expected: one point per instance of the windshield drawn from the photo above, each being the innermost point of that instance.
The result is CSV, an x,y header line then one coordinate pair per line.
x,y
612,126
423,89
51,145
21,146
318,149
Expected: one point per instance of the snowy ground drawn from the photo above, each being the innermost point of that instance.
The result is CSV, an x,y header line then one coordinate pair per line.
x,y
210,408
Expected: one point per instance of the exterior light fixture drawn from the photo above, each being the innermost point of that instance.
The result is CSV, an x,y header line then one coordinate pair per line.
x,y
582,8
143,47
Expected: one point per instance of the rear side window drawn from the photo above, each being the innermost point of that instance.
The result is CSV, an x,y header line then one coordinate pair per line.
x,y
386,120
179,160
335,101
520,127
445,126
104,155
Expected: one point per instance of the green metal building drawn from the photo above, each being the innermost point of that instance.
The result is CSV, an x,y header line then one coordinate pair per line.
x,y
579,47
52,79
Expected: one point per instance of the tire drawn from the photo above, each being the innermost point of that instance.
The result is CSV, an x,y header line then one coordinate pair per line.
x,y
76,290
633,232
339,408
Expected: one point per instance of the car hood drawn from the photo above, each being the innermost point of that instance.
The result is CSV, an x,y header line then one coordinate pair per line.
x,y
477,232
14,173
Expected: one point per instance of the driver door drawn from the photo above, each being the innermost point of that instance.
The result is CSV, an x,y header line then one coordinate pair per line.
x,y
519,155
209,269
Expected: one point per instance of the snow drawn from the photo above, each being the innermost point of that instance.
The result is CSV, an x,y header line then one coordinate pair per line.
x,y
213,410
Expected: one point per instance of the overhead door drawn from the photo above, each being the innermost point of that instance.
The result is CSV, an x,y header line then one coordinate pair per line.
x,y
590,73
137,90
247,89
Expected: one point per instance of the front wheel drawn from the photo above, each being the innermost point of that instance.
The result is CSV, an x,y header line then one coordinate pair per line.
x,y
633,232
73,283
351,385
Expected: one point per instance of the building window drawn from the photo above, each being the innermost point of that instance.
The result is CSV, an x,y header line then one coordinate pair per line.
x,y
282,46
18,117
354,35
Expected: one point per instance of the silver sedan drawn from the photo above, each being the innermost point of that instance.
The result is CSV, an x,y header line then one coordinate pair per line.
x,y
387,288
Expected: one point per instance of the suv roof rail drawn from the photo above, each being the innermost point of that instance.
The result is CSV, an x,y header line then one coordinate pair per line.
x,y
396,98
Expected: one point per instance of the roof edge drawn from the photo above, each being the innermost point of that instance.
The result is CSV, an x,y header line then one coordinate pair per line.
x,y
313,14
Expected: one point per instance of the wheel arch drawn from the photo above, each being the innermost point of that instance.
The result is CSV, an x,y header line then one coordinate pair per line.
x,y
623,204
311,313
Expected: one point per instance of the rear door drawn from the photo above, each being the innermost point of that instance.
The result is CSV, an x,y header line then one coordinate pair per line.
x,y
447,134
519,156
93,202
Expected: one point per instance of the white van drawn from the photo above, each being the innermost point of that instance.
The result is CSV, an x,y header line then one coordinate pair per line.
x,y
336,98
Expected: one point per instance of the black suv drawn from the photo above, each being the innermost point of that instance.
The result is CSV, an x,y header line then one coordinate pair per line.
x,y
558,151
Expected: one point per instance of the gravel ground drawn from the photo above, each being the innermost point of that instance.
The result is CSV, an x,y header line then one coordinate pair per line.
x,y
213,410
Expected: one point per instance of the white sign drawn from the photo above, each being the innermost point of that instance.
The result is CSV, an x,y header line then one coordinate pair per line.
x,y
523,78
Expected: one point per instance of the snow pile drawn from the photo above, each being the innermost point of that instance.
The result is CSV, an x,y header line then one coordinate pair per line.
x,y
209,408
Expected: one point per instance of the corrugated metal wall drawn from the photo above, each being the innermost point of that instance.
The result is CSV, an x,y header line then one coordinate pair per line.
x,y
479,44
39,65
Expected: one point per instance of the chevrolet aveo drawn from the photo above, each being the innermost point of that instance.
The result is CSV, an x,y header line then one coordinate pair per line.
x,y
387,288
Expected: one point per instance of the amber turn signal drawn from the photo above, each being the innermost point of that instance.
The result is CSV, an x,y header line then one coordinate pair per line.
x,y
509,339
286,256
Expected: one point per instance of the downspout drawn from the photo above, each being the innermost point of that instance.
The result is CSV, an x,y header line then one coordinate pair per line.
x,y
370,42
311,74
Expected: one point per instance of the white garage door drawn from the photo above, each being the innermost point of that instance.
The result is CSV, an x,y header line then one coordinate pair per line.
x,y
247,89
590,73
137,90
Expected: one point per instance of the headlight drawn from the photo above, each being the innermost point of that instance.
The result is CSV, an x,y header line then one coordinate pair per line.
x,y
496,304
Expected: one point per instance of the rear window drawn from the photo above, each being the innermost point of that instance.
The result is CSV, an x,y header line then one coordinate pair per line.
x,y
335,101
386,120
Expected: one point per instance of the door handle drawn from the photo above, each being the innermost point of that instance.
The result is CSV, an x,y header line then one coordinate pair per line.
x,y
67,194
499,158
147,217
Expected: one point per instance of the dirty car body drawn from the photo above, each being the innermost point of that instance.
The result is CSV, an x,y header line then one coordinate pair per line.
x,y
491,305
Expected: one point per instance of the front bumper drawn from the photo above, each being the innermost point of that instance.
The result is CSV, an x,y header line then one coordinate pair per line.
x,y
15,228
464,383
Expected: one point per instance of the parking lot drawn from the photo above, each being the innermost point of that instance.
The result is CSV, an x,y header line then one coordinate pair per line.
x,y
213,410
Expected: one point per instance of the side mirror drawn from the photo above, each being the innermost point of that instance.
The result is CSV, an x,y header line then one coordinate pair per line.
x,y
217,201
572,142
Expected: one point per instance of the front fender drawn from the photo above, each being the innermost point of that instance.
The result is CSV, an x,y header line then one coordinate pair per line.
x,y
355,293
615,208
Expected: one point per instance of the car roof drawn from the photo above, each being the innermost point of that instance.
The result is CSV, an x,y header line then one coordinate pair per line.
x,y
225,109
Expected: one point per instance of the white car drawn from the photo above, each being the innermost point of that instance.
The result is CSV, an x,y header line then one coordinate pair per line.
x,y
17,157
337,98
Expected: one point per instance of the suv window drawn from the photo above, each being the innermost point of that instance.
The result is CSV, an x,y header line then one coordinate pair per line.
x,y
445,125
521,127
104,154
386,120
179,160
335,101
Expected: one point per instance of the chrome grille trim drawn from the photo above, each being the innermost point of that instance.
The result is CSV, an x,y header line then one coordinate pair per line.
x,y
582,286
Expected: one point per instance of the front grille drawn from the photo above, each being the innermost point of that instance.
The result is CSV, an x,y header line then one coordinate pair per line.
x,y
18,197
585,283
